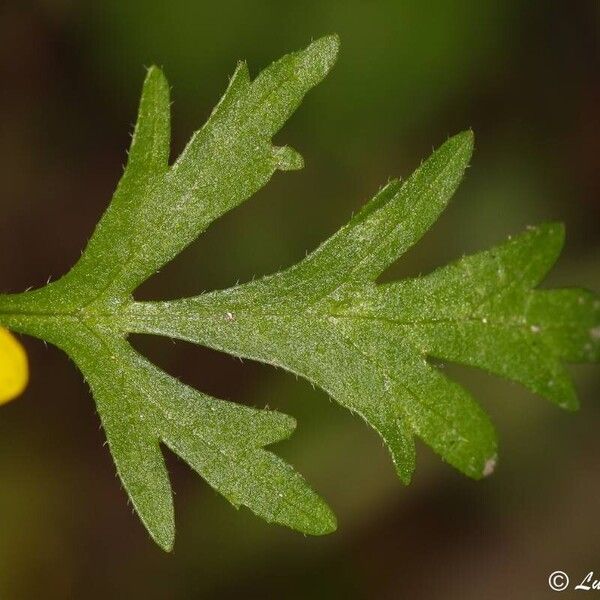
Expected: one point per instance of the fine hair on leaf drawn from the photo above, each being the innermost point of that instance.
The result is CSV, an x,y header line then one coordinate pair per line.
x,y
372,347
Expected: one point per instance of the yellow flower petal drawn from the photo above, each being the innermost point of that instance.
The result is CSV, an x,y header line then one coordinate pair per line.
x,y
14,372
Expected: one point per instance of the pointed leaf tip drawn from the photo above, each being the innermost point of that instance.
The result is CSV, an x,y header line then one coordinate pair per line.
x,y
463,143
165,543
319,57
288,159
322,519
327,47
153,69
554,231
155,74
326,524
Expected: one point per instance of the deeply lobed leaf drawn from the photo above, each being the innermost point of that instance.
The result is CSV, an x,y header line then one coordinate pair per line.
x,y
327,319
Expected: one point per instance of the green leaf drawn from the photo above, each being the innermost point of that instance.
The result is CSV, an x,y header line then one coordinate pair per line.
x,y
327,319
158,210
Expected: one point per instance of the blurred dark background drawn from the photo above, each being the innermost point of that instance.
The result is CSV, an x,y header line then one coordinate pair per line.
x,y
523,74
